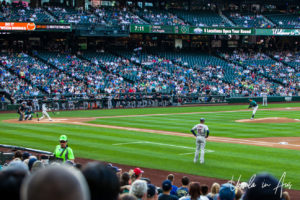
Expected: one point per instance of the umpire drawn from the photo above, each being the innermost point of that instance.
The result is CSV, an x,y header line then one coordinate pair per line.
x,y
21,111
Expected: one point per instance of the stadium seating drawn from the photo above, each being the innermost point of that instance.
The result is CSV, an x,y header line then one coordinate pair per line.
x,y
284,20
248,20
202,18
25,15
159,17
65,15
121,16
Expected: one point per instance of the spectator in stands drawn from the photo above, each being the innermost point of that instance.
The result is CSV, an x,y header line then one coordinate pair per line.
x,y
103,182
31,162
285,196
151,192
194,192
18,154
166,188
227,192
127,197
238,193
215,188
263,193
139,189
124,182
204,191
59,183
38,165
137,174
174,187
25,155
10,182
184,189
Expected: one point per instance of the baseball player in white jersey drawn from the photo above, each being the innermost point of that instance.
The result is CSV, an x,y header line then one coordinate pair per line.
x,y
201,135
44,112
265,98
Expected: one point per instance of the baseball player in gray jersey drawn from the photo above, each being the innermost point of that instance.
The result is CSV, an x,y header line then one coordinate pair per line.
x,y
201,134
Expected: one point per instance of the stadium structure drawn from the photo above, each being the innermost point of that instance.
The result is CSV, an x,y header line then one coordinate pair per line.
x,y
102,57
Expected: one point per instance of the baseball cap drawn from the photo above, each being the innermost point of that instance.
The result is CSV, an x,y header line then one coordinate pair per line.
x,y
26,155
63,138
166,185
151,191
138,171
227,192
263,193
202,119
114,168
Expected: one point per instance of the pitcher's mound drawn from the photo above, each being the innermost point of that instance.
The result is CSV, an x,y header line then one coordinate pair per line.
x,y
269,120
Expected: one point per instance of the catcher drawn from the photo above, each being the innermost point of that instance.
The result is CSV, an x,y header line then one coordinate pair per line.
x,y
21,111
254,106
29,111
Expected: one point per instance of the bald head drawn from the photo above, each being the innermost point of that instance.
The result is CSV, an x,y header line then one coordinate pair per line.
x,y
59,183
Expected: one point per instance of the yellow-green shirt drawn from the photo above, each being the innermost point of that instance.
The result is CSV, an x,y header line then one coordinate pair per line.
x,y
67,155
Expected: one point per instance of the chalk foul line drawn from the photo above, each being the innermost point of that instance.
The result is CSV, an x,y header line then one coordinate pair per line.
x,y
211,138
163,144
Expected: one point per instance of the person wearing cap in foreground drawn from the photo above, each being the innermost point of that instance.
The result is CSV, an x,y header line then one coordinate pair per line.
x,y
166,188
227,192
201,134
263,187
63,151
151,192
137,174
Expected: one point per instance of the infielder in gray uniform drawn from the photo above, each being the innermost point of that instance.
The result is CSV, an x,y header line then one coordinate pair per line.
x,y
201,135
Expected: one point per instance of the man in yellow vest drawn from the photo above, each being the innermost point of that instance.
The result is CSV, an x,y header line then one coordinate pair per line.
x,y
62,151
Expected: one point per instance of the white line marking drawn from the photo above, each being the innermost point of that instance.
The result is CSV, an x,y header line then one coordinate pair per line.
x,y
186,153
206,151
140,142
211,138
162,144
191,113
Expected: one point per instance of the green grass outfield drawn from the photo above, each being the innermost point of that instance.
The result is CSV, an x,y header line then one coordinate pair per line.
x,y
173,153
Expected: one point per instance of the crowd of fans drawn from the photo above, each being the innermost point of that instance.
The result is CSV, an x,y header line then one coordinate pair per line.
x,y
28,178
10,13
260,73
244,74
159,17
125,16
249,20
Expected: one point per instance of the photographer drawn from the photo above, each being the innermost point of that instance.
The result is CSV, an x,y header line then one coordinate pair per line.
x,y
63,151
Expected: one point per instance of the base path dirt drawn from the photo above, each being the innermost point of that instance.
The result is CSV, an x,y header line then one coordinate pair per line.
x,y
267,120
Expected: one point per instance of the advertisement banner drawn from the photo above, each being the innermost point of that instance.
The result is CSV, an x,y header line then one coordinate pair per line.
x,y
17,26
278,31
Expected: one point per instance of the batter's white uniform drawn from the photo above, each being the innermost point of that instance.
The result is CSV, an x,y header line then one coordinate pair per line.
x,y
201,131
44,112
265,98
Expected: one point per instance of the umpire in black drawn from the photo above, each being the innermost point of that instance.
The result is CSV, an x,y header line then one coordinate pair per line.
x,y
21,111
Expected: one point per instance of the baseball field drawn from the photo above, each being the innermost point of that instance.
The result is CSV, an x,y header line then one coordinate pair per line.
x,y
160,138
